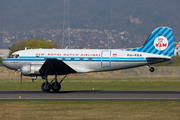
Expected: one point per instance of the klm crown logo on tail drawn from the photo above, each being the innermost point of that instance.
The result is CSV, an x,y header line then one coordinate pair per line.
x,y
160,42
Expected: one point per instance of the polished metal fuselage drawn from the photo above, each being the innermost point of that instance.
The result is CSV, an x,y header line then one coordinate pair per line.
x,y
83,60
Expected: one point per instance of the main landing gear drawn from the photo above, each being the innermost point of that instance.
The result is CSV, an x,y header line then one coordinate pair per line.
x,y
151,69
55,86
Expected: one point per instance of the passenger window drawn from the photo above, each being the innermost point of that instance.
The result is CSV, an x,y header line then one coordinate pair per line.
x,y
81,59
89,59
72,59
63,59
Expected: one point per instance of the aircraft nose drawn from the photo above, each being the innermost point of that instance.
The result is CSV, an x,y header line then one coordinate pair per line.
x,y
4,63
14,65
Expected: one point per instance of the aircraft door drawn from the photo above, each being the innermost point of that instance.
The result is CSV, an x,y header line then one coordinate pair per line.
x,y
105,59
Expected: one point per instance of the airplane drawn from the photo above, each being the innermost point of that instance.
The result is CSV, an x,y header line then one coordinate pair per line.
x,y
159,47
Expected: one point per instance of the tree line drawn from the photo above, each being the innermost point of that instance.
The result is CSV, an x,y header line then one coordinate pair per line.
x,y
31,44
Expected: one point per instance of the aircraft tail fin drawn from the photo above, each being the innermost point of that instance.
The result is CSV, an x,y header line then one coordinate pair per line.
x,y
160,42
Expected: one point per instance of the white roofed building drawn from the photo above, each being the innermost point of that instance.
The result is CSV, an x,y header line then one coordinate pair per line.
x,y
4,53
177,50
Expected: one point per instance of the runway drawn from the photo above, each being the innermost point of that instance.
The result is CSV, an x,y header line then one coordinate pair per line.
x,y
91,95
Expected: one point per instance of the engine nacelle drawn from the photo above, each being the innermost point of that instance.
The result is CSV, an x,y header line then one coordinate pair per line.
x,y
30,69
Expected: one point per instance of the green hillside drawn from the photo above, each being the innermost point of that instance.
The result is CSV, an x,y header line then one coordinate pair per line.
x,y
97,14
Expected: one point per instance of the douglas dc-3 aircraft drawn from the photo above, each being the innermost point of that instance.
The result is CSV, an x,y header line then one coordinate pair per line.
x,y
159,47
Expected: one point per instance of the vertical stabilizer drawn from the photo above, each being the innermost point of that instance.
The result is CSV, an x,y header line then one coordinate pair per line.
x,y
160,42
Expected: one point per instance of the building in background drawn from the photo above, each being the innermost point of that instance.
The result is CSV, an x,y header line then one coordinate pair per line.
x,y
177,49
4,53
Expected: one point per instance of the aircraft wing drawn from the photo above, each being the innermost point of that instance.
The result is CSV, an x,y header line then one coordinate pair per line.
x,y
55,67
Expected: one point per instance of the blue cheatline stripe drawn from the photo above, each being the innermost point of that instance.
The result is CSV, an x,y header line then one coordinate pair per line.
x,y
92,60
152,48
124,59
43,57
80,57
31,60
128,58
24,59
48,57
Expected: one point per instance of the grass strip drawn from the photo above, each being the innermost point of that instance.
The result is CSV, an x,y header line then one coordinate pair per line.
x,y
80,110
138,83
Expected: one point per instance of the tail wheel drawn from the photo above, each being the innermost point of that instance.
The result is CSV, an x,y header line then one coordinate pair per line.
x,y
151,69
56,87
46,88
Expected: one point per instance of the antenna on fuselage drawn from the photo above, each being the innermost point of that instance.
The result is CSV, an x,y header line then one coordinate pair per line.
x,y
66,47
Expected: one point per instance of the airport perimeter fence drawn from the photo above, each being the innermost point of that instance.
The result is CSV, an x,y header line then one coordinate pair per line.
x,y
160,71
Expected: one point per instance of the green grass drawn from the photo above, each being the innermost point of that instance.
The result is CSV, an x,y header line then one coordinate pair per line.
x,y
91,110
138,83
80,110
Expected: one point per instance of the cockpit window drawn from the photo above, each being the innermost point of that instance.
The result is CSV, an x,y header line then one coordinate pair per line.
x,y
14,56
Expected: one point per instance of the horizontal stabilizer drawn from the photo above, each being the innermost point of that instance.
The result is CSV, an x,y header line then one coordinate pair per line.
x,y
156,59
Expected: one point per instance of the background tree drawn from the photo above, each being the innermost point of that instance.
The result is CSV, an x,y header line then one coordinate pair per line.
x,y
31,44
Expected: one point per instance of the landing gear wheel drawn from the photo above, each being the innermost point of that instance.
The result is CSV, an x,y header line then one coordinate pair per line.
x,y
151,69
56,87
45,88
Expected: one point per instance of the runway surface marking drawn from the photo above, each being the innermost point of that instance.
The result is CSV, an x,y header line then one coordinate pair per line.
x,y
91,95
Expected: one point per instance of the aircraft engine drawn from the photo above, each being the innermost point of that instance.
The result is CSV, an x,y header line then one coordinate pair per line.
x,y
30,69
